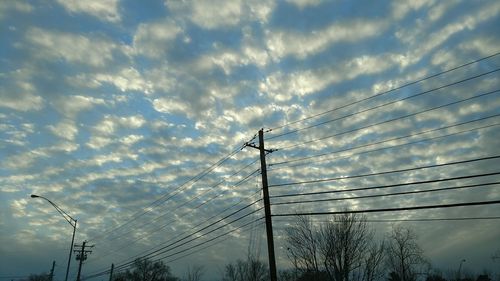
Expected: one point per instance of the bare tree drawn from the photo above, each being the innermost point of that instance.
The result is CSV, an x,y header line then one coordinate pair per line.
x,y
346,248
194,273
249,270
341,250
303,245
404,255
146,270
371,269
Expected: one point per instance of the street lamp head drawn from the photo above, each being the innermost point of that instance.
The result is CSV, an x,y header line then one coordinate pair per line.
x,y
34,196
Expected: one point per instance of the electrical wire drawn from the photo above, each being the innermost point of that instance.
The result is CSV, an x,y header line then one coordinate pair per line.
x,y
184,250
385,186
387,91
387,121
211,245
169,195
387,172
439,206
410,220
163,226
385,104
390,140
211,188
388,194
165,249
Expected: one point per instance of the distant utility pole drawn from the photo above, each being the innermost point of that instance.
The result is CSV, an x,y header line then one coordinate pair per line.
x,y
81,255
267,205
52,271
111,272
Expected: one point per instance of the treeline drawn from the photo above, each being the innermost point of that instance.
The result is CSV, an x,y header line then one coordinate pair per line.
x,y
344,248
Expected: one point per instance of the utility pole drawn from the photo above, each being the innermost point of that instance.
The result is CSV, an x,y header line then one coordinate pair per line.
x,y
81,255
52,271
267,205
111,272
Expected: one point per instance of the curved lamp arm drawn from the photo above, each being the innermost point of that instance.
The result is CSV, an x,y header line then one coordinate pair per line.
x,y
65,215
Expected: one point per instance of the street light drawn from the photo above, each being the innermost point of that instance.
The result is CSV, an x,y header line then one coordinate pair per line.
x,y
70,220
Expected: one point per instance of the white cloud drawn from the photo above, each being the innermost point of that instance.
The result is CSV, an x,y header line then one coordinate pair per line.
x,y
421,46
152,39
128,79
284,43
18,92
221,14
282,87
170,105
97,142
483,45
401,8
23,102
7,7
65,129
70,106
104,133
101,9
71,47
304,3
250,53
110,124
131,139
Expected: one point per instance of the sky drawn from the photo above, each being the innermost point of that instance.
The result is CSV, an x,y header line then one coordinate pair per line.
x,y
132,117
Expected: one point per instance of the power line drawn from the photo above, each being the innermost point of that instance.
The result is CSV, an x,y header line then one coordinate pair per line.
x,y
214,238
192,228
386,92
413,220
185,250
386,186
128,243
211,245
389,120
453,205
169,195
211,188
165,249
386,104
387,172
388,194
393,139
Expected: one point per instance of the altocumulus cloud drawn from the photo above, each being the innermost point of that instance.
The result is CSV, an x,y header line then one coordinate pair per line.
x,y
114,110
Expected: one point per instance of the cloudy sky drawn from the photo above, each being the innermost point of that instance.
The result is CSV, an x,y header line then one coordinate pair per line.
x,y
131,116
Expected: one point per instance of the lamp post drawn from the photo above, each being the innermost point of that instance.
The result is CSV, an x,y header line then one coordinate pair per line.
x,y
70,220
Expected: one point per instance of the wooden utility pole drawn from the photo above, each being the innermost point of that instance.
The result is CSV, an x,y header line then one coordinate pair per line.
x,y
267,205
52,271
111,272
81,255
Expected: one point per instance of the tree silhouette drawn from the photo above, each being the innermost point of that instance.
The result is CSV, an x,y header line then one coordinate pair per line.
x,y
404,255
250,270
146,270
194,273
340,250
